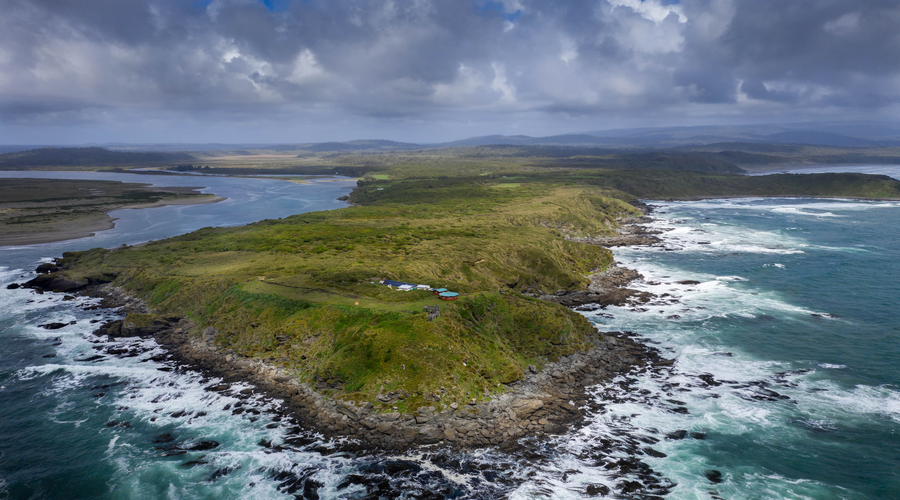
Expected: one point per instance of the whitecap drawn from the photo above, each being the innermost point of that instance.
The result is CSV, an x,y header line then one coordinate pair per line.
x,y
800,211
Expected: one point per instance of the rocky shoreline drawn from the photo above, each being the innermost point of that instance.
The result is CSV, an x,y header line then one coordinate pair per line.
x,y
548,401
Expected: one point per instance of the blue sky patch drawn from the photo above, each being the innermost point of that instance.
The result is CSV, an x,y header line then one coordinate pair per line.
x,y
498,7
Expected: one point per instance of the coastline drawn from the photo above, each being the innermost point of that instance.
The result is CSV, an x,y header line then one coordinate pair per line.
x,y
549,401
545,402
89,226
787,196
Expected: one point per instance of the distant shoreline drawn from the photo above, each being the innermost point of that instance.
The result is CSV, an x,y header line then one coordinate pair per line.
x,y
90,226
782,168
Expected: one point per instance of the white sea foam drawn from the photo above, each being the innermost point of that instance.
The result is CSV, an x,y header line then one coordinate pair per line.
x,y
134,390
740,394
801,211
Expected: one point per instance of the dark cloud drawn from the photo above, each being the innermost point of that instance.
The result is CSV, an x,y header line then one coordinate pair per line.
x,y
404,65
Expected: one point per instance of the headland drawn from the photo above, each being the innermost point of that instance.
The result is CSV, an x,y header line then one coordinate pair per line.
x,y
295,304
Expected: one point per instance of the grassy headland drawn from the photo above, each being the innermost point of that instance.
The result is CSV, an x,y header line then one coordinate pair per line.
x,y
298,292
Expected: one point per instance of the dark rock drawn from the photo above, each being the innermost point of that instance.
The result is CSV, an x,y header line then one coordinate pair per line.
x,y
54,283
698,435
47,267
350,480
616,297
630,486
224,471
714,476
163,438
654,453
688,282
90,359
679,434
200,445
597,490
311,489
54,326
194,463
13,286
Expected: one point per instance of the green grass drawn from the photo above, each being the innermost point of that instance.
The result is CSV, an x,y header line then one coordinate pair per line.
x,y
316,312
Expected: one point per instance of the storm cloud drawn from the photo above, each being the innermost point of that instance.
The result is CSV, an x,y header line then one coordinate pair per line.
x,y
293,70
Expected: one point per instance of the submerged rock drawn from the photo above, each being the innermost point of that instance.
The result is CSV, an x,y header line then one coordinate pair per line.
x,y
714,476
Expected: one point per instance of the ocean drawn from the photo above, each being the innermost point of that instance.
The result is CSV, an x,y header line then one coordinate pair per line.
x,y
786,383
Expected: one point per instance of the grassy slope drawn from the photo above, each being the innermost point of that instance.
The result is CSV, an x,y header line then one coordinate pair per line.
x,y
318,312
470,229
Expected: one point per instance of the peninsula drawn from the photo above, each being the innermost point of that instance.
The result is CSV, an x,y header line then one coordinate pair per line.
x,y
296,304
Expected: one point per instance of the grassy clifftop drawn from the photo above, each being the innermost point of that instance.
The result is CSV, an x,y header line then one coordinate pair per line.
x,y
299,291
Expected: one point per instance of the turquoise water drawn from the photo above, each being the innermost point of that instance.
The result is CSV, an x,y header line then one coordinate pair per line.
x,y
787,379
795,329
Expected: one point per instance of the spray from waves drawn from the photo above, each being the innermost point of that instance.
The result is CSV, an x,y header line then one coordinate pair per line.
x,y
168,431
782,205
720,407
799,211
714,396
720,237
692,235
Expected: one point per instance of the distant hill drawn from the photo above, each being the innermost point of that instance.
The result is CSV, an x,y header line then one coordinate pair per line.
x,y
524,140
17,148
359,145
823,139
837,134
83,157
696,162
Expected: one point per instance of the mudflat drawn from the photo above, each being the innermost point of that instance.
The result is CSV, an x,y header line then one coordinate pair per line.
x,y
36,211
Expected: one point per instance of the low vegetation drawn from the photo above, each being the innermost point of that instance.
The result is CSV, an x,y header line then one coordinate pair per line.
x,y
91,157
31,208
302,291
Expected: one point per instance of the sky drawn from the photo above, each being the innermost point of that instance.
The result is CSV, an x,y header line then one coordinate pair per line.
x,y
295,71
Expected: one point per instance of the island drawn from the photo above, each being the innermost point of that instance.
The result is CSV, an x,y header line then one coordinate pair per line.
x,y
336,314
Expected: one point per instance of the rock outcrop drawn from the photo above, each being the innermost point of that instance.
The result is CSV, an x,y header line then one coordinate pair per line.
x,y
546,401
